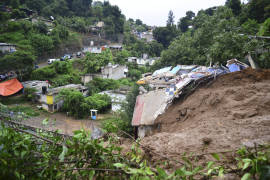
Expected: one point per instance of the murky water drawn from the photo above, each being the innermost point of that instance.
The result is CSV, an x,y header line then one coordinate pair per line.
x,y
62,122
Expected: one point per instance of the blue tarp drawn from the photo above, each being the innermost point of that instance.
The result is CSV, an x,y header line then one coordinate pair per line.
x,y
175,69
234,67
163,70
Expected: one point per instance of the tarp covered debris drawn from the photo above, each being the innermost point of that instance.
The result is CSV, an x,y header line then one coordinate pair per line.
x,y
10,87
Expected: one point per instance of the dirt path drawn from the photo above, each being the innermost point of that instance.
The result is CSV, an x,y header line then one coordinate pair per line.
x,y
232,112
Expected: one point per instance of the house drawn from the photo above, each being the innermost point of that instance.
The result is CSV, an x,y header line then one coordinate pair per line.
x,y
132,59
148,36
7,48
118,97
114,71
47,96
107,72
49,23
116,47
94,50
100,24
142,61
28,12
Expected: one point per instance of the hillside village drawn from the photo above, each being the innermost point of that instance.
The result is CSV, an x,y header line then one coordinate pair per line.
x,y
87,93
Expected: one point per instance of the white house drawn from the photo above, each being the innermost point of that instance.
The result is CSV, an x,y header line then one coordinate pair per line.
x,y
7,48
107,72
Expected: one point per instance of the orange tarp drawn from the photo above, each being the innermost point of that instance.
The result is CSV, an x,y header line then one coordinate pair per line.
x,y
10,87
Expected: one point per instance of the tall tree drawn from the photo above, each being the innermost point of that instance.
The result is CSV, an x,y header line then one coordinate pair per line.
x,y
186,21
170,21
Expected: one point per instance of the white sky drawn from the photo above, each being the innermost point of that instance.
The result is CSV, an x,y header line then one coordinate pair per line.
x,y
155,12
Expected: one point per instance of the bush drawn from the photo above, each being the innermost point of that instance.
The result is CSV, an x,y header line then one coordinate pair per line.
x,y
43,74
24,109
65,79
99,102
79,106
29,94
72,102
98,85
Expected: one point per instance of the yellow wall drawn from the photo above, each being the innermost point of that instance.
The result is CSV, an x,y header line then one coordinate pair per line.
x,y
49,99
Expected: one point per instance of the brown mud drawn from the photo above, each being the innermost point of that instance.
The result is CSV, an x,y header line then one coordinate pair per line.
x,y
231,112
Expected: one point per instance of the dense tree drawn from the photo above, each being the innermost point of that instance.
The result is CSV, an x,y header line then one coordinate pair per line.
x,y
35,5
81,7
250,27
216,38
41,27
265,28
155,49
41,43
94,62
235,5
190,15
183,24
138,22
165,35
259,10
186,21
20,61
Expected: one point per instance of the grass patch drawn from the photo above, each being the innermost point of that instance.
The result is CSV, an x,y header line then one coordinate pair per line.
x,y
12,100
29,111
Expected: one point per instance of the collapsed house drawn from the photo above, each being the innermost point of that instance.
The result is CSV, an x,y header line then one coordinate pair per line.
x,y
167,84
47,97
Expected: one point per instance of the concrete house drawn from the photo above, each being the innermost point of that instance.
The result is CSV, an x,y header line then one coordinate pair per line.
x,y
118,98
7,48
47,96
108,72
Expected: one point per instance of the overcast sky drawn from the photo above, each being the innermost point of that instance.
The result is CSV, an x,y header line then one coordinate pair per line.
x,y
155,12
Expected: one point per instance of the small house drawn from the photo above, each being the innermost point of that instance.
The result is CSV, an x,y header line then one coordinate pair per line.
x,y
118,97
7,48
47,96
114,71
107,72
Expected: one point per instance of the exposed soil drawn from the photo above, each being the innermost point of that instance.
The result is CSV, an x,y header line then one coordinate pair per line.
x,y
231,112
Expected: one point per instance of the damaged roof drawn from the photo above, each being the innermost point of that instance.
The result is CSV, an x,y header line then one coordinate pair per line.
x,y
169,83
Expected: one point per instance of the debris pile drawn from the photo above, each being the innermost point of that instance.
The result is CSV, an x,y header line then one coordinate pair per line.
x,y
167,84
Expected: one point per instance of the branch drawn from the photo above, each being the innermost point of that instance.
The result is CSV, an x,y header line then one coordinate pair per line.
x,y
39,137
95,169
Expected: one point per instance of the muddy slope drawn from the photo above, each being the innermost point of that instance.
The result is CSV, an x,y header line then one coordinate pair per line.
x,y
231,112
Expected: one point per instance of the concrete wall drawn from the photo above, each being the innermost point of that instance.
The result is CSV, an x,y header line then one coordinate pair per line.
x,y
89,77
112,72
145,131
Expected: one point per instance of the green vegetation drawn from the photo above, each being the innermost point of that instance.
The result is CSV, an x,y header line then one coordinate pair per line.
x,y
29,94
28,111
216,35
98,84
50,155
122,121
92,63
79,106
59,73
